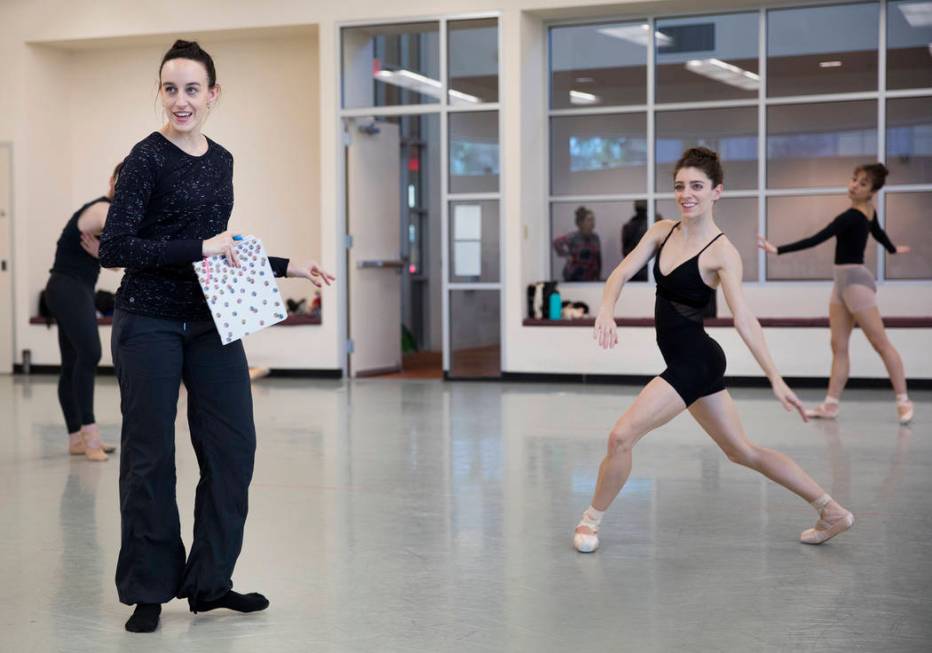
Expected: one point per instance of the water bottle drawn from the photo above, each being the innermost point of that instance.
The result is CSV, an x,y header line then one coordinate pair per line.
x,y
555,309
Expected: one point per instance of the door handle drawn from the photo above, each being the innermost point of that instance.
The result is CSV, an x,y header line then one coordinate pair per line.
x,y
380,263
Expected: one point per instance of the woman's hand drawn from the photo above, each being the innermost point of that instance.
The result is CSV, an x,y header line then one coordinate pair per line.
x,y
766,245
903,249
788,398
90,244
311,271
221,244
605,332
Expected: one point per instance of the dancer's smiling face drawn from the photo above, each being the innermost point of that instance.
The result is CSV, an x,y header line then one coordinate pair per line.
x,y
186,94
695,194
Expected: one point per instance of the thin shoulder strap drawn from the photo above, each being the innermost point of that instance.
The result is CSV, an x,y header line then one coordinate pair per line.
x,y
720,234
668,235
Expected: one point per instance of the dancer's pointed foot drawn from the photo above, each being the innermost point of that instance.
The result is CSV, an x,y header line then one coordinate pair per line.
x,y
586,537
828,409
833,520
145,618
253,602
585,540
904,409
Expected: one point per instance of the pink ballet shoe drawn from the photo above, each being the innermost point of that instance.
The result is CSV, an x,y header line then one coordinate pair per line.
x,y
904,410
823,530
77,448
828,409
93,447
587,541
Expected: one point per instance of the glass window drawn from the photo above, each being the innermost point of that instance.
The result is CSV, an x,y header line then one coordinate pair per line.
x,y
730,132
810,145
791,218
475,333
598,154
598,65
474,152
474,238
389,65
473,61
909,36
737,218
707,58
822,49
589,240
907,222
909,139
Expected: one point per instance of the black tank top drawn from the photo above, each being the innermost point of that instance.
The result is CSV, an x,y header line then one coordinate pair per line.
x,y
70,257
683,290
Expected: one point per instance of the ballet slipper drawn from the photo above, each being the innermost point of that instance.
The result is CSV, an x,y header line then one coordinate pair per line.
x,y
904,409
93,447
828,409
587,541
825,530
76,448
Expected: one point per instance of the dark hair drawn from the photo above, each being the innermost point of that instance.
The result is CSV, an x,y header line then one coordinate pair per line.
x,y
191,50
704,159
118,169
877,172
581,214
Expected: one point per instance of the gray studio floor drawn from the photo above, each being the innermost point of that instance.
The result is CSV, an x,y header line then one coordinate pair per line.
x,y
429,516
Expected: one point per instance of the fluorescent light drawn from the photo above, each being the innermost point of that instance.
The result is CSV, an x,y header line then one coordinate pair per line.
x,y
458,97
584,80
579,97
725,73
636,34
917,14
420,83
829,64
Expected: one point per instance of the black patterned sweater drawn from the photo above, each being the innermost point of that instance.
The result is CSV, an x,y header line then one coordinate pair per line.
x,y
167,202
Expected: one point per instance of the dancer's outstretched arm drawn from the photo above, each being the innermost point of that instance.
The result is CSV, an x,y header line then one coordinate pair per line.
x,y
605,333
729,273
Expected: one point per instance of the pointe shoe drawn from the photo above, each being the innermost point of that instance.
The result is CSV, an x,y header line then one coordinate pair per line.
x,y
586,542
824,531
825,410
904,410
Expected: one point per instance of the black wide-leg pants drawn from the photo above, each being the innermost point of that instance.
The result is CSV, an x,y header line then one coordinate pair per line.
x,y
152,358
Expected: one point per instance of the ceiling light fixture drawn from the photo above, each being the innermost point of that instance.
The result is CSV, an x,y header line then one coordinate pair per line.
x,y
579,97
725,73
636,34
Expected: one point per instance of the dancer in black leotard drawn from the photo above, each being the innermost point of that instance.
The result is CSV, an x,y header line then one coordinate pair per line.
x,y
695,362
693,379
70,297
854,295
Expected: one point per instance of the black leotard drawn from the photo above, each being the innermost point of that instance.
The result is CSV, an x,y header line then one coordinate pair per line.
x,y
695,362
850,230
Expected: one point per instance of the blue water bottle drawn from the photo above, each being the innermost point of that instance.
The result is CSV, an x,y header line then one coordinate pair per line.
x,y
555,310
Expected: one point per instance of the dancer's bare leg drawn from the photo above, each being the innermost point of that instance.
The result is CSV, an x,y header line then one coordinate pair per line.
x,y
841,323
656,405
872,325
718,416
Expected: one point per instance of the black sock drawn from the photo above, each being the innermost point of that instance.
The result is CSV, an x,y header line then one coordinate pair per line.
x,y
145,618
232,601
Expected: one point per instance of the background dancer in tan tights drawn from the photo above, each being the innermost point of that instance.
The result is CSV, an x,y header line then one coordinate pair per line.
x,y
854,295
